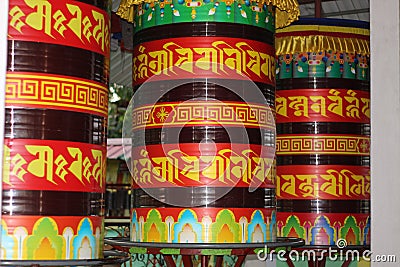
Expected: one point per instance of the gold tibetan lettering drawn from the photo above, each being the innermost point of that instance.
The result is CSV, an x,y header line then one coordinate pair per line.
x,y
87,165
16,15
60,164
300,105
281,106
239,166
319,105
76,165
87,24
215,167
18,169
248,173
233,59
99,168
355,189
158,62
6,164
42,166
262,168
99,29
226,154
366,108
223,47
285,183
209,59
334,184
367,184
353,109
307,187
337,105
135,171
59,22
268,66
140,64
185,56
254,62
146,167
185,59
189,166
164,169
40,19
271,175
75,23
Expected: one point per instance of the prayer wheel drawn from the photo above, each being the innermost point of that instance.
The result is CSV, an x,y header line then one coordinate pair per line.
x,y
203,129
323,129
55,126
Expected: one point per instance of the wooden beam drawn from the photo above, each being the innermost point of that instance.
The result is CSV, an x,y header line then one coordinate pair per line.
x,y
318,8
340,13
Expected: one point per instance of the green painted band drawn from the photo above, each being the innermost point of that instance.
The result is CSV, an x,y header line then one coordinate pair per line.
x,y
138,250
170,251
179,11
324,64
216,251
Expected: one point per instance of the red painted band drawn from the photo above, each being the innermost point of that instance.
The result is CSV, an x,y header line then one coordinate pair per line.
x,y
204,57
70,23
334,182
322,105
204,164
31,164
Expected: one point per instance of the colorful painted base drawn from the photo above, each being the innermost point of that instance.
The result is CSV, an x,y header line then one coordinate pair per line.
x,y
326,228
51,238
203,225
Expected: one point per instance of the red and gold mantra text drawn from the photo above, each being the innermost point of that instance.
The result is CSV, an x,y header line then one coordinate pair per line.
x,y
209,57
340,105
69,23
53,165
323,182
153,167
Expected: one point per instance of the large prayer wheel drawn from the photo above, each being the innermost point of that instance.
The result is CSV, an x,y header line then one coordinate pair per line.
x,y
203,123
323,127
55,126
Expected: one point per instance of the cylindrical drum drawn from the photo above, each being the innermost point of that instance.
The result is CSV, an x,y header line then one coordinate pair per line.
x,y
323,128
55,144
203,123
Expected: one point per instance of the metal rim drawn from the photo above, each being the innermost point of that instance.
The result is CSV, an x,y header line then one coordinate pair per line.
x,y
280,242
